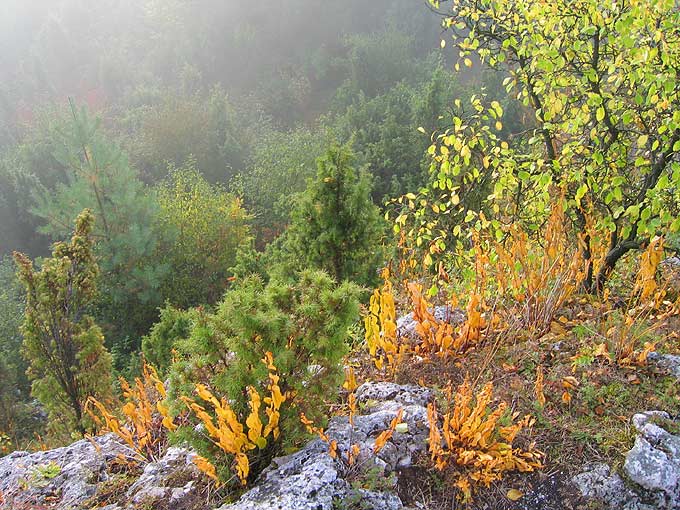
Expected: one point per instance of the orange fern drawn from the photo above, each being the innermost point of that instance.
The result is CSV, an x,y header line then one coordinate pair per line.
x,y
226,430
472,439
146,418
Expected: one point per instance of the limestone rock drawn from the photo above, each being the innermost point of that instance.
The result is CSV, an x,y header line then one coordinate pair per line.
x,y
63,477
668,362
311,480
598,483
172,478
654,462
387,391
406,325
651,471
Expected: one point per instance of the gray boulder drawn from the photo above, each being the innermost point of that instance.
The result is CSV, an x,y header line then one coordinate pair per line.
x,y
311,480
173,479
63,477
654,461
651,471
599,484
406,325
667,362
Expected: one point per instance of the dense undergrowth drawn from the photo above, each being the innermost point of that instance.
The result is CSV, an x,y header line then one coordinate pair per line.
x,y
534,264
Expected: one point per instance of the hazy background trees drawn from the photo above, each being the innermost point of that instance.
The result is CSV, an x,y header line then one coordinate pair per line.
x,y
192,130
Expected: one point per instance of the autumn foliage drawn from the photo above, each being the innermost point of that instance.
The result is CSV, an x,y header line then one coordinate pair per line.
x,y
469,442
146,420
226,430
438,337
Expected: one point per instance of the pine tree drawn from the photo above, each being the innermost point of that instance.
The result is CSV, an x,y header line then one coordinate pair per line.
x,y
101,179
336,227
302,321
62,344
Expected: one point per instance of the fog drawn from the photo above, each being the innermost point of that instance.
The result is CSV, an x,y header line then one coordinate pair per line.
x,y
101,51
173,79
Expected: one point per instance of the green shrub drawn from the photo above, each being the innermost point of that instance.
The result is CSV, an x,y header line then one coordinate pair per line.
x,y
174,324
336,226
303,323
63,345
203,225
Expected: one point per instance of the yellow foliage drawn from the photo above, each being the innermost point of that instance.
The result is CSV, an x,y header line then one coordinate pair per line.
x,y
5,447
312,429
538,387
147,419
441,337
253,421
626,335
350,383
437,337
226,431
538,277
381,327
474,442
645,282
206,467
386,435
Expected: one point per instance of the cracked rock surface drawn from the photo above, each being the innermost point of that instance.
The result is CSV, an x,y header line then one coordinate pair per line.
x,y
667,362
651,472
63,477
66,478
311,480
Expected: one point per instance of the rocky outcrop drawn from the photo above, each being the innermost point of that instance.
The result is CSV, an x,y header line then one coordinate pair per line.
x,y
73,477
668,362
311,480
654,461
406,325
172,480
69,478
61,478
598,483
651,470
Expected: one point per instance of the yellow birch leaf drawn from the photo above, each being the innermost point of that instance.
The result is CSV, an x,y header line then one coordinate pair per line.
x,y
514,495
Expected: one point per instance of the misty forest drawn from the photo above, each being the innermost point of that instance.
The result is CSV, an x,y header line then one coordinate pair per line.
x,y
427,246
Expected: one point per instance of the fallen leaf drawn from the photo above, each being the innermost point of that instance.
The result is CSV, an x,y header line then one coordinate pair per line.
x,y
569,382
557,329
633,379
514,495
601,350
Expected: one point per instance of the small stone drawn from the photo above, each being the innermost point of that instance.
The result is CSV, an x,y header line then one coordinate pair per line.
x,y
598,483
